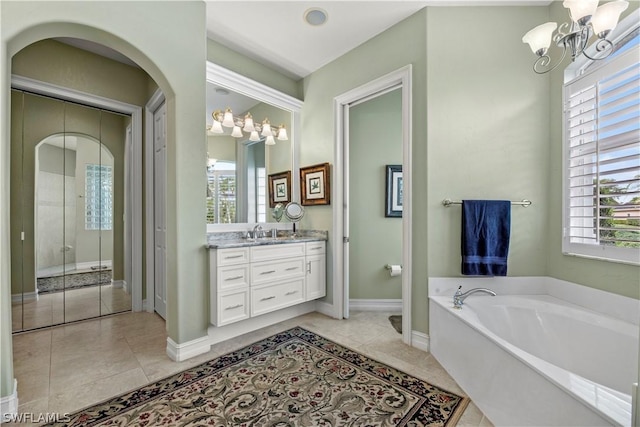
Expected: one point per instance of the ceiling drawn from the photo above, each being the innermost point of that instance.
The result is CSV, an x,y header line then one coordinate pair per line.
x,y
275,33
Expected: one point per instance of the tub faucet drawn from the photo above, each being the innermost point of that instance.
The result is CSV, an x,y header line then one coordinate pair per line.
x,y
459,296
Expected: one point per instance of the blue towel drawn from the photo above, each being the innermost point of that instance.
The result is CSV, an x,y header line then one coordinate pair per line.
x,y
486,225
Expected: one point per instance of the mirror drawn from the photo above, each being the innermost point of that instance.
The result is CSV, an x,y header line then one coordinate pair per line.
x,y
294,213
238,167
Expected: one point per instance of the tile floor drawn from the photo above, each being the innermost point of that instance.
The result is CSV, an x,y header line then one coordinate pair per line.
x,y
70,367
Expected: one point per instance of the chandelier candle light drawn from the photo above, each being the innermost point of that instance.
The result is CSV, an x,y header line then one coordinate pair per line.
x,y
587,19
255,130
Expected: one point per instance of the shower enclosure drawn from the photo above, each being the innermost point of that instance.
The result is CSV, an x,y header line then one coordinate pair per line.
x,y
67,211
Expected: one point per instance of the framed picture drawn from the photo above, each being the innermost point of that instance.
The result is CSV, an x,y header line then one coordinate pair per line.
x,y
279,188
393,191
314,185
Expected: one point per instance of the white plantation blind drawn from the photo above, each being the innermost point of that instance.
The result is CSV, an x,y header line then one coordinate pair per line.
x,y
602,155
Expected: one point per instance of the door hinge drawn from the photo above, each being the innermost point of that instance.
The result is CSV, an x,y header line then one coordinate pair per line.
x,y
345,239
22,235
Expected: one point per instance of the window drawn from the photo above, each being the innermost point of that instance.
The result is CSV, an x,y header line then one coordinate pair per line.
x,y
98,205
221,193
602,159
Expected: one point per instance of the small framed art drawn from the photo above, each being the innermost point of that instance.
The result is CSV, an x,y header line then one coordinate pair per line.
x,y
279,188
314,185
393,191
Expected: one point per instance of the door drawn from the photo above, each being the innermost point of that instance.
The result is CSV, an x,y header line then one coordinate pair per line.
x,y
316,282
160,218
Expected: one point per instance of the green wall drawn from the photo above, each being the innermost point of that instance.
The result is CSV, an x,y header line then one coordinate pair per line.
x,y
221,55
374,58
608,276
375,140
177,65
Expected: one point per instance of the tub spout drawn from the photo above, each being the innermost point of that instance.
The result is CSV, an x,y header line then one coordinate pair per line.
x,y
459,296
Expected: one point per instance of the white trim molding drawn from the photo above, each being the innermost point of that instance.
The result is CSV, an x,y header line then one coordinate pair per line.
x,y
150,108
420,340
400,78
9,404
187,350
376,304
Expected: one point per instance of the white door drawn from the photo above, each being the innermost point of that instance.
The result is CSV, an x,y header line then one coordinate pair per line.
x,y
160,218
128,210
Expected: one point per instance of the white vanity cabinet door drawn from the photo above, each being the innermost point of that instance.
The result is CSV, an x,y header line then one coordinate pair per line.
x,y
316,270
316,280
232,307
272,297
268,271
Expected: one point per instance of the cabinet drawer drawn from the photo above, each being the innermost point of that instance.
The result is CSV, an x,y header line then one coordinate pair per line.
x,y
232,307
267,271
313,248
232,256
233,276
273,297
269,252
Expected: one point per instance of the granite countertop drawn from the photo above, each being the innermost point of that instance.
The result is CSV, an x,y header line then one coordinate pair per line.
x,y
236,240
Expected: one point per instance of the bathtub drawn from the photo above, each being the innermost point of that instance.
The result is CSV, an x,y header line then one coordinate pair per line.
x,y
530,357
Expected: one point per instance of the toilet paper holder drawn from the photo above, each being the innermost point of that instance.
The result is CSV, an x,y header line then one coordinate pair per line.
x,y
388,266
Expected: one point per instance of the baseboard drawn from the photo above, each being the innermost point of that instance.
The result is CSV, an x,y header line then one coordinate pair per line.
x,y
325,308
120,284
375,304
187,350
420,340
9,405
25,297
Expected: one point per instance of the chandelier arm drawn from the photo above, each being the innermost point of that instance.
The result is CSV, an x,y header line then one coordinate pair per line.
x,y
601,45
545,60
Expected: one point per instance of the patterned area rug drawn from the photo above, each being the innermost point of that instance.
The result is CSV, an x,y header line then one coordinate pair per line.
x,y
294,378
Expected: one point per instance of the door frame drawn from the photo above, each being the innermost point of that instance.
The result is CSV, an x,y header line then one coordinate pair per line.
x,y
84,98
150,109
401,79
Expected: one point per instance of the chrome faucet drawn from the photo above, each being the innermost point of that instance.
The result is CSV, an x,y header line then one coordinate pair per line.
x,y
459,296
257,231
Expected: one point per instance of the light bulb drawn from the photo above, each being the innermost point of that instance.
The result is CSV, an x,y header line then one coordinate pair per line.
x,y
248,123
282,133
539,38
228,118
581,10
237,132
266,128
606,17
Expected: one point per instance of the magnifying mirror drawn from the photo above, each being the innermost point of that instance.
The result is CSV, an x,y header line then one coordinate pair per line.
x,y
294,212
278,210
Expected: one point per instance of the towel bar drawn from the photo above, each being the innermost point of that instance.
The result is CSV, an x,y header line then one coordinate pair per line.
x,y
448,202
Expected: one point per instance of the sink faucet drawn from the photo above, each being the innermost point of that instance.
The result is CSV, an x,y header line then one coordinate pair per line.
x,y
459,296
257,230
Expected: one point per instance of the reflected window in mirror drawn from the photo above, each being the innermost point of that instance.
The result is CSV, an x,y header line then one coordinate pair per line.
x,y
221,192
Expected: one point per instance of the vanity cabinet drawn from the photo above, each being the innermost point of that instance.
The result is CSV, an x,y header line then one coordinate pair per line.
x,y
254,280
316,274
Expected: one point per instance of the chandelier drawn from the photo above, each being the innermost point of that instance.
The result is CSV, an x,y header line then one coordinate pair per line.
x,y
256,131
587,19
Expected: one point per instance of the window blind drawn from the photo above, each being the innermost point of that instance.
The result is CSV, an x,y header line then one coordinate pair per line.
x,y
602,152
